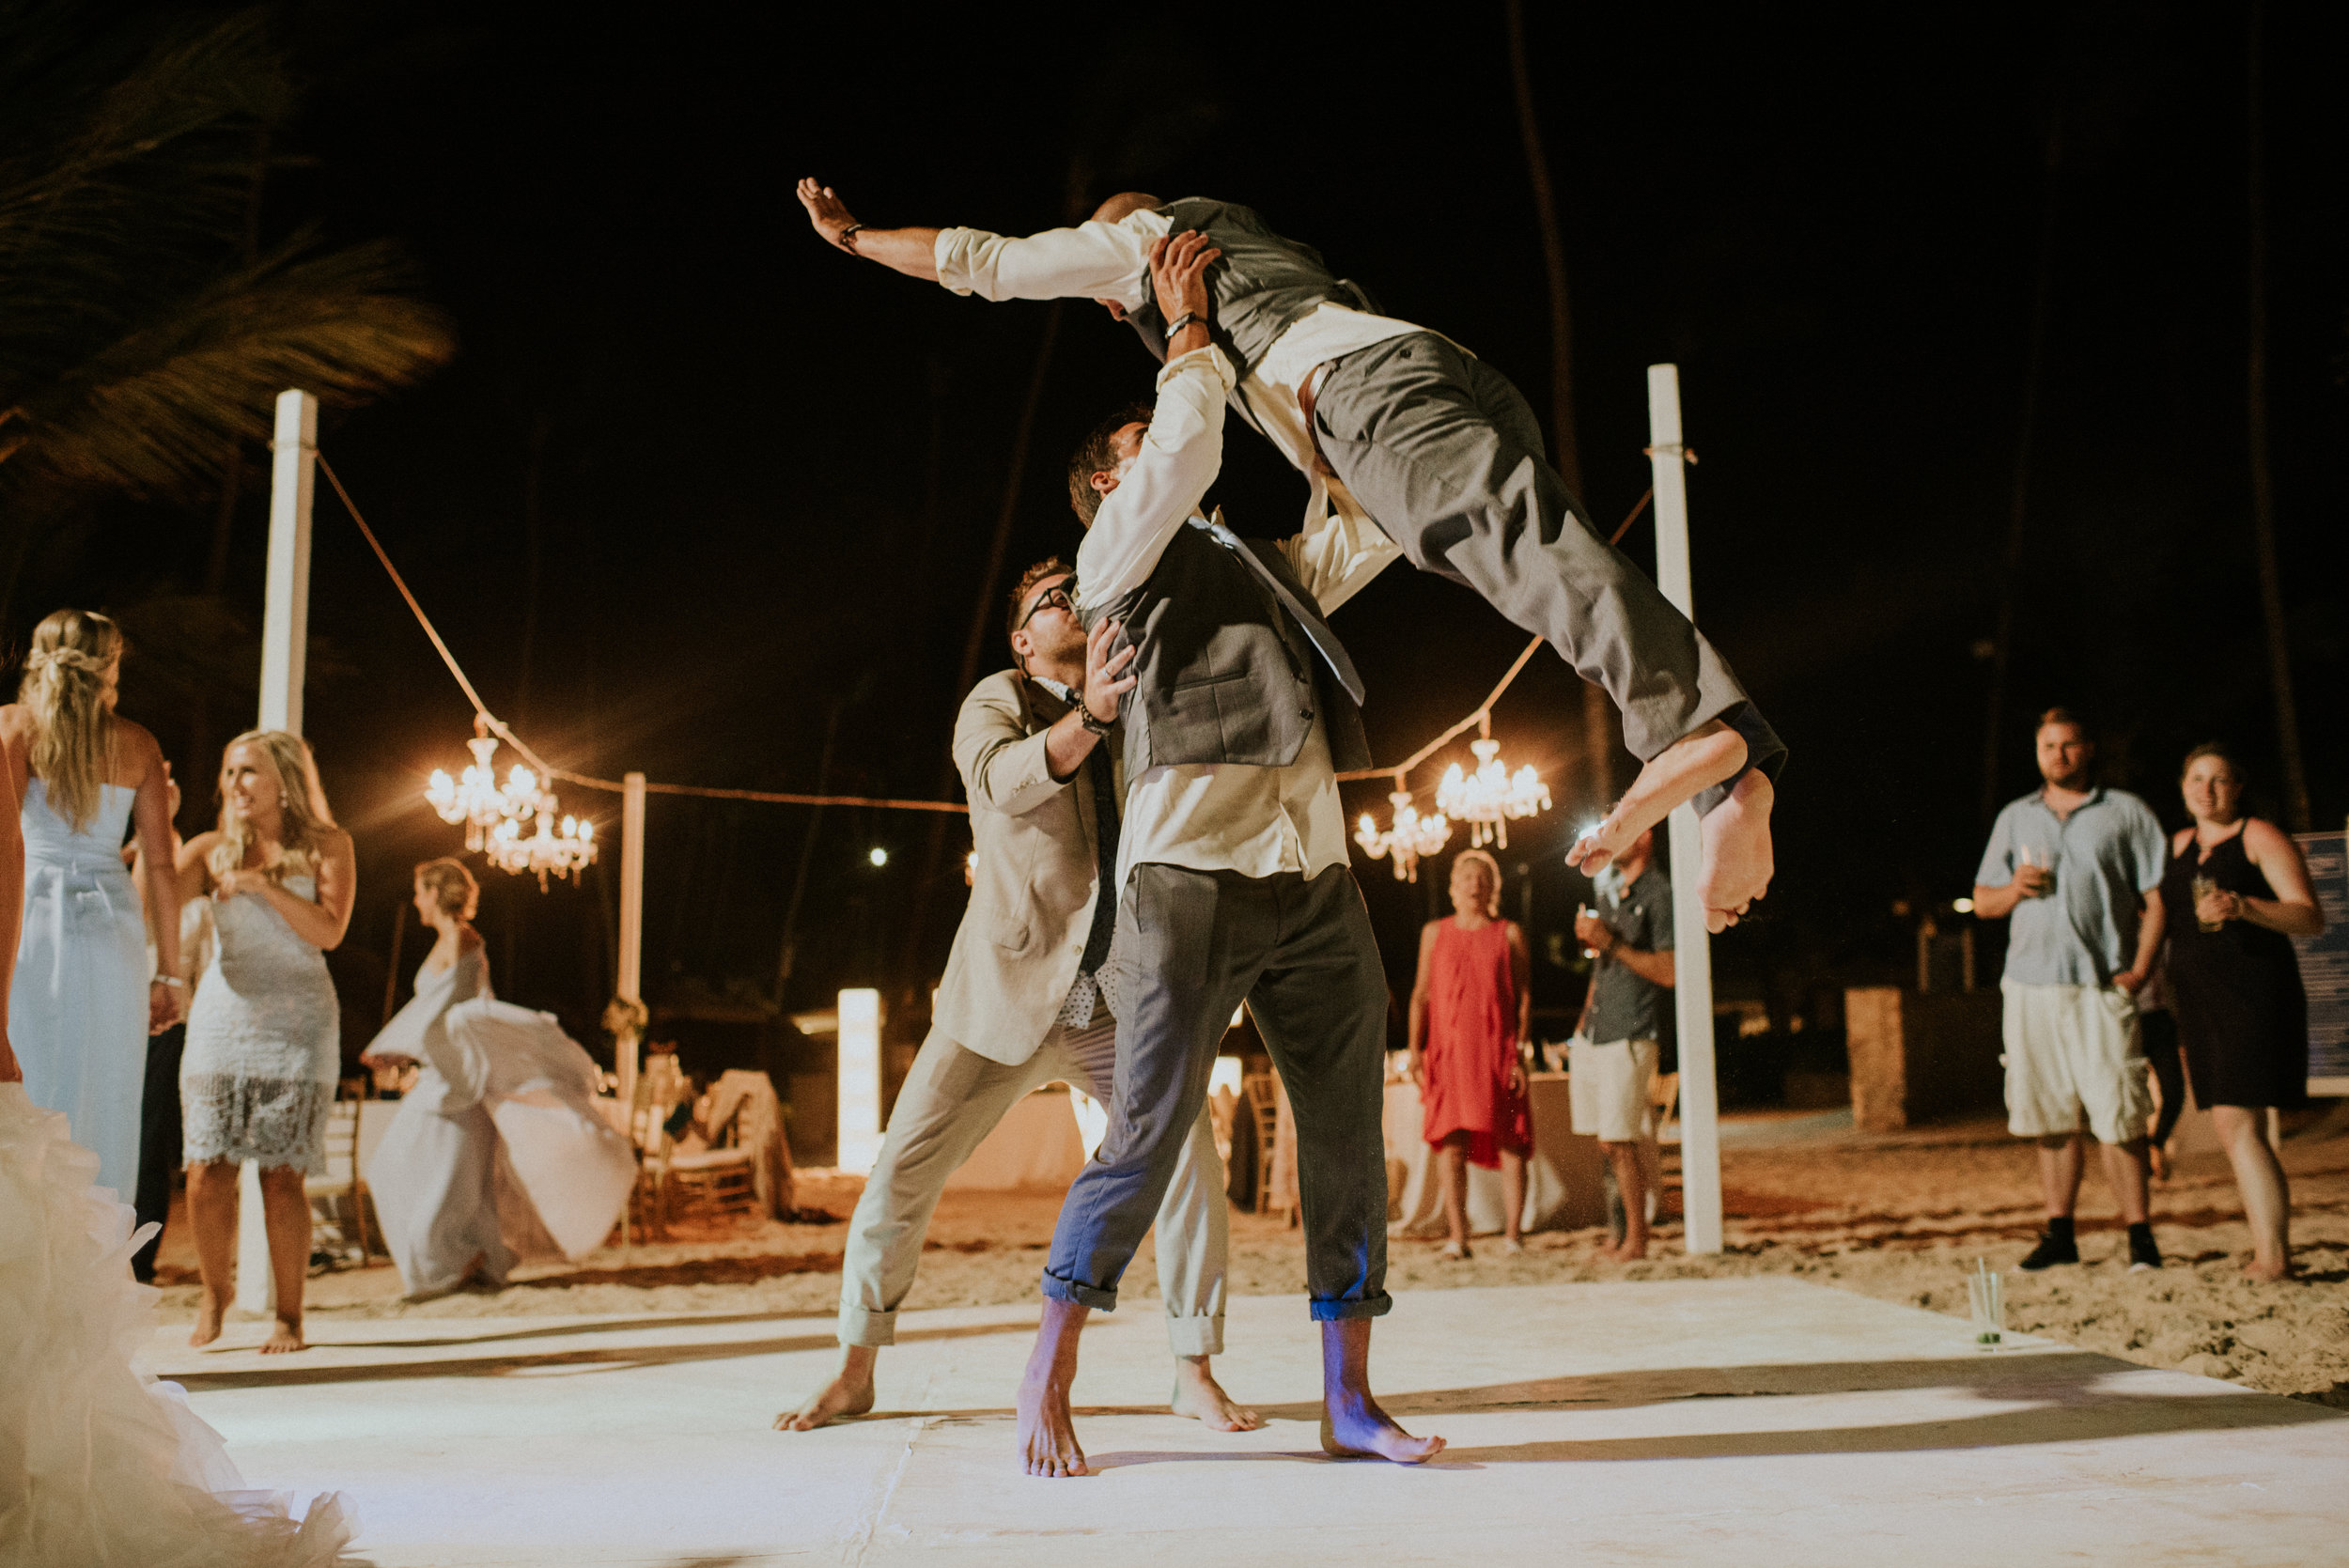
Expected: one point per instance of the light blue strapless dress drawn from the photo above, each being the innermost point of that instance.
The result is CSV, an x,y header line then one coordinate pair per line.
x,y
264,1042
77,1009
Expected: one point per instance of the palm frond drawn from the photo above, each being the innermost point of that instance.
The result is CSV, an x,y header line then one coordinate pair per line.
x,y
150,413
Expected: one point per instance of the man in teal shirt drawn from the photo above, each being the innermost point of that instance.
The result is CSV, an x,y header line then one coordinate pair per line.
x,y
2078,868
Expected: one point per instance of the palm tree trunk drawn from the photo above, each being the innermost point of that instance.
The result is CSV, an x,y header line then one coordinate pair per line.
x,y
2018,502
2263,480
1598,736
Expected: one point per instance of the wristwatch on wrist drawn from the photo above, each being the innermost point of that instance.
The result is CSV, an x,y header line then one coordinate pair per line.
x,y
848,238
1096,726
173,981
1185,319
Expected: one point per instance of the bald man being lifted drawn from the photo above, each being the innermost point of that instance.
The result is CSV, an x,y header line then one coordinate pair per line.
x,y
1397,429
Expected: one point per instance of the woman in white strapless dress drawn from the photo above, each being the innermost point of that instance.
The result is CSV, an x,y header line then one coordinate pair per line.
x,y
81,1004
265,1034
434,1174
498,1155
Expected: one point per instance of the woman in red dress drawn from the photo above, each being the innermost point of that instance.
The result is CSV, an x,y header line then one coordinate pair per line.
x,y
1470,1009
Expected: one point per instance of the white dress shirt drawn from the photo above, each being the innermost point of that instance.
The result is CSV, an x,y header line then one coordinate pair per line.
x,y
1214,816
1112,261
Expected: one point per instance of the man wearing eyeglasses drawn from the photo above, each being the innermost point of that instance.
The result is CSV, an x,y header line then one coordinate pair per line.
x,y
1022,1004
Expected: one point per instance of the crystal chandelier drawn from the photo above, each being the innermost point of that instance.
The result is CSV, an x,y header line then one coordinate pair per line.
x,y
1487,799
547,852
1410,840
477,800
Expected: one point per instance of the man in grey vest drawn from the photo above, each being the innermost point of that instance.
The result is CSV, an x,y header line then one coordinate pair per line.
x,y
1398,429
1232,865
1022,1004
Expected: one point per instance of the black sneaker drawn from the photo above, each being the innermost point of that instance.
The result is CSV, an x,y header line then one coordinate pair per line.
x,y
2142,1252
2049,1252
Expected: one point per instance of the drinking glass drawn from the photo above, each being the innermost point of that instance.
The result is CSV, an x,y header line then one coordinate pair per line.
x,y
1987,1299
2204,885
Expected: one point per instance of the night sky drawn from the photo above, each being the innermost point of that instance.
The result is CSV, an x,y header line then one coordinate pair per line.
x,y
754,480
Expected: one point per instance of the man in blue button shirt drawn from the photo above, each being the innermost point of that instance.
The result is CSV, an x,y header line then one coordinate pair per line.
x,y
2079,870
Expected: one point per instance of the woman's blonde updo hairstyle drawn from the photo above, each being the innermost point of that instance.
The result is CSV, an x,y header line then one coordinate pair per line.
x,y
304,818
65,690
1492,869
451,885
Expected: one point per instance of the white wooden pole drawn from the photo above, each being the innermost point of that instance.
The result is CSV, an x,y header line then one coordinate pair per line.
x,y
631,975
286,612
1692,994
285,639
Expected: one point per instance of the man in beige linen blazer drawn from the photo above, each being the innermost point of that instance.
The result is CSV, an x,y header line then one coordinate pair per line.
x,y
1021,1006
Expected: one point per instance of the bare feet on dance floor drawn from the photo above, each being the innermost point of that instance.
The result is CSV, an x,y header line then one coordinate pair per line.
x,y
209,1312
1697,761
286,1337
1356,1428
849,1393
1624,1252
1198,1395
1048,1431
2266,1273
1737,859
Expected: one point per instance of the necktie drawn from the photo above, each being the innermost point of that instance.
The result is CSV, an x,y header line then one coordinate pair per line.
x,y
1105,850
1309,619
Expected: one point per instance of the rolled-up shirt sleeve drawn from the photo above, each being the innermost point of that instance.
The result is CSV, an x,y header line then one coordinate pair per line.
x,y
1091,261
1179,459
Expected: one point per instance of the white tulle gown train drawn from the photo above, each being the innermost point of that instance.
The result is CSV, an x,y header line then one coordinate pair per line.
x,y
99,1464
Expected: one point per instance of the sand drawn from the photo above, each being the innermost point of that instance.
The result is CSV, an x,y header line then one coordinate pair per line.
x,y
1901,1219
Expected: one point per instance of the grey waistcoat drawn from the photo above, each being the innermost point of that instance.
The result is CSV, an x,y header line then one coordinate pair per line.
x,y
1222,671
1262,286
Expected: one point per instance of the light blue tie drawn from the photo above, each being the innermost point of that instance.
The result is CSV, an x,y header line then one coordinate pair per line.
x,y
1309,619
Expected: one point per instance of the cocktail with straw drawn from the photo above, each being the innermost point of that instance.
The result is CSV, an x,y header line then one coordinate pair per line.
x,y
1985,1296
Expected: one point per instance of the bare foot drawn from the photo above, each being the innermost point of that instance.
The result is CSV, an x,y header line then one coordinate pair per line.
x,y
1624,1252
1703,757
1361,1430
1737,859
209,1311
286,1337
1047,1432
2266,1273
1198,1395
850,1394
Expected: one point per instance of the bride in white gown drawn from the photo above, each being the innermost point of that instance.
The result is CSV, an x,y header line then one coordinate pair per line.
x,y
99,1464
497,1155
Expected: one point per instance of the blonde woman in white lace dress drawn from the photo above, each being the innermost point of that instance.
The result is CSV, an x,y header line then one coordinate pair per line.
x,y
264,1033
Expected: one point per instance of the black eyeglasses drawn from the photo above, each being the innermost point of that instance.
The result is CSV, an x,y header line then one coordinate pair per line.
x,y
1056,596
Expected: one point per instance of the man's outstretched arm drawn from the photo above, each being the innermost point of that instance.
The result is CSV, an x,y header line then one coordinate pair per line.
x,y
1108,262
910,251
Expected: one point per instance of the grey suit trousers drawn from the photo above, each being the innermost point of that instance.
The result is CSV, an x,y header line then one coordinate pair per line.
x,y
1191,945
1445,453
952,1099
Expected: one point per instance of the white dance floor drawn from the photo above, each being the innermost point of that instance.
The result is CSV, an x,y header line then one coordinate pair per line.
x,y
1752,1422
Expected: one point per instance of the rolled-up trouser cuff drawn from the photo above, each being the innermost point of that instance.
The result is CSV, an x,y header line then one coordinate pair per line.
x,y
1082,1295
1338,1309
1763,749
1202,1335
863,1326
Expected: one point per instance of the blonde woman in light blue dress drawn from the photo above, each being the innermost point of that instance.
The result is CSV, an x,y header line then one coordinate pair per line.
x,y
265,1033
81,1004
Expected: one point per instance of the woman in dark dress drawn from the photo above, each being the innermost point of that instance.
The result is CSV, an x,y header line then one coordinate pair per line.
x,y
2236,893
